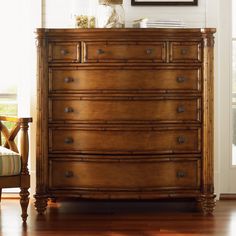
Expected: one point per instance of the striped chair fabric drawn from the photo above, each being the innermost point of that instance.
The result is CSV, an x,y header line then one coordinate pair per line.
x,y
10,162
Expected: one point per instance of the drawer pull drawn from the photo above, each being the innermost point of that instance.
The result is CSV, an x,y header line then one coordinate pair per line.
x,y
68,140
69,174
100,51
68,80
64,52
181,109
149,51
181,139
181,174
181,79
69,110
184,51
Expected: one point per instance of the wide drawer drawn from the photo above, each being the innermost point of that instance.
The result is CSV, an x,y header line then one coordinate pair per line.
x,y
138,79
94,52
123,109
128,175
124,140
185,52
64,52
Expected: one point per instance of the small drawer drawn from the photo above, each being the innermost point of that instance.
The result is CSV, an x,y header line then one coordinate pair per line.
x,y
129,175
125,141
185,52
95,52
64,52
138,79
125,110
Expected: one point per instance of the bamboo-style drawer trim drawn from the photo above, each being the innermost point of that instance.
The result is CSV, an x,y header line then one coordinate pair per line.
x,y
111,51
109,140
126,175
125,109
117,80
64,52
186,52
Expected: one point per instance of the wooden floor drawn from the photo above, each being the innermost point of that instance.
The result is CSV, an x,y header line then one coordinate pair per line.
x,y
118,219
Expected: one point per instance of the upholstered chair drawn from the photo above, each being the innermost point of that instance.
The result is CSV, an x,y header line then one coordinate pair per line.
x,y
14,171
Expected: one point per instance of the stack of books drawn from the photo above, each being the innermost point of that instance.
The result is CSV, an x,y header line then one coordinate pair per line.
x,y
146,23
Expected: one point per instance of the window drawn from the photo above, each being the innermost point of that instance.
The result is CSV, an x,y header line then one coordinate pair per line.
x,y
10,71
234,80
9,76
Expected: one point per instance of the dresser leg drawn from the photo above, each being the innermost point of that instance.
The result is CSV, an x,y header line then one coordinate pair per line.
x,y
40,203
24,202
53,199
207,203
198,204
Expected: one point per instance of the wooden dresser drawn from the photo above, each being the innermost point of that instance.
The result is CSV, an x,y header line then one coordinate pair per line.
x,y
125,114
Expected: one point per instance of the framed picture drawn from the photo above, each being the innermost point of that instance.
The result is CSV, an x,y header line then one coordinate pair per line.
x,y
164,2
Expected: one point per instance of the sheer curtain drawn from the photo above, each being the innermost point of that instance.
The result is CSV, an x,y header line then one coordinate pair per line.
x,y
18,22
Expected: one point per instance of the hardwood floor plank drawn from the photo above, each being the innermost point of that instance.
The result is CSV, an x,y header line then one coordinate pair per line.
x,y
86,218
227,196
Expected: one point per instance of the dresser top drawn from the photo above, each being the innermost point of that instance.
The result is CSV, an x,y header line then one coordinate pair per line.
x,y
126,32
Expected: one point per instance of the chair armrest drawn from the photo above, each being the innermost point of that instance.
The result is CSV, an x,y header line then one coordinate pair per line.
x,y
21,126
15,119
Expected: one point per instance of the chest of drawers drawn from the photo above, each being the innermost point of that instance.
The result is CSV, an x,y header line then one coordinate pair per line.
x,y
125,114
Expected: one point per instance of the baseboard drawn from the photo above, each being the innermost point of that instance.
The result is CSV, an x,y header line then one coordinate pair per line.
x,y
228,196
10,196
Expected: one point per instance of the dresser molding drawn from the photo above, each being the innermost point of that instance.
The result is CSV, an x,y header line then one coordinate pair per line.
x,y
92,86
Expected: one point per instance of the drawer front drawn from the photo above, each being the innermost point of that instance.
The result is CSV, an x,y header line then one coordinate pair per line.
x,y
178,174
125,110
64,52
72,80
94,52
185,52
120,140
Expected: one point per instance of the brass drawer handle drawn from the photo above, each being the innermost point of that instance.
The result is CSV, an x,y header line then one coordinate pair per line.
x,y
181,140
64,52
69,110
181,174
149,51
100,51
68,80
68,141
181,109
181,79
69,174
184,51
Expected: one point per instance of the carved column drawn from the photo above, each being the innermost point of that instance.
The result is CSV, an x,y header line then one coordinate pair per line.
x,y
41,136
207,198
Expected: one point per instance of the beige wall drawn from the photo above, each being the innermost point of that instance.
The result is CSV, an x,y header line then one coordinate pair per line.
x,y
58,13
